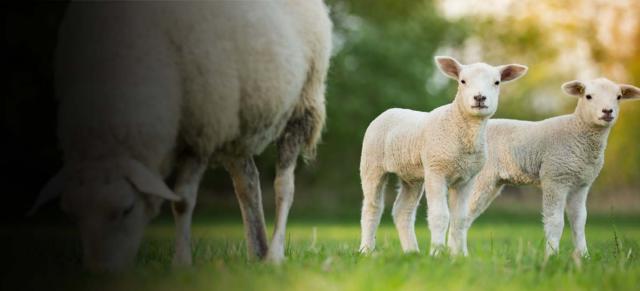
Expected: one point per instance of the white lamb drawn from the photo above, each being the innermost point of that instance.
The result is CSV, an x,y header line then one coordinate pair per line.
x,y
442,149
563,155
152,90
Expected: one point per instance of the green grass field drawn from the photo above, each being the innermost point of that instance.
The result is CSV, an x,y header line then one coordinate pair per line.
x,y
506,254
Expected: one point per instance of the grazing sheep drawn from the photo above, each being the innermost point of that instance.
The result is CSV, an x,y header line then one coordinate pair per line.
x,y
441,149
159,90
563,155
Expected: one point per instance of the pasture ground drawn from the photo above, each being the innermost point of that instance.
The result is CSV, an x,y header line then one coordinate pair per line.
x,y
506,254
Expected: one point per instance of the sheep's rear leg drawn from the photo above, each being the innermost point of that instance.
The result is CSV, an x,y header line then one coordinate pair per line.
x,y
188,176
404,215
577,214
372,206
246,182
288,150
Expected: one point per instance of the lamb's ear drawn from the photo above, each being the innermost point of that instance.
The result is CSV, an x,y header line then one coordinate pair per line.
x,y
512,72
147,182
573,88
50,191
449,66
630,92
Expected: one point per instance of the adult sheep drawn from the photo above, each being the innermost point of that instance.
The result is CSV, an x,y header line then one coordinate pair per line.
x,y
563,155
154,90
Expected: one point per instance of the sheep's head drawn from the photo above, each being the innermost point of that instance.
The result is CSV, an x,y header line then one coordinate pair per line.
x,y
112,202
479,83
599,102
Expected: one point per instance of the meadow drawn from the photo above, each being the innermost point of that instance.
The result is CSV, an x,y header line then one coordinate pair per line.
x,y
506,254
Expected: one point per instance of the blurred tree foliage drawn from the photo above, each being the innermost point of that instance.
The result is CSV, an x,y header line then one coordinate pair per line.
x,y
383,58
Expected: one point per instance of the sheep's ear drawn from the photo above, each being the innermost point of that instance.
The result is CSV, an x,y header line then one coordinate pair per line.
x,y
512,72
147,182
449,66
50,191
630,92
573,88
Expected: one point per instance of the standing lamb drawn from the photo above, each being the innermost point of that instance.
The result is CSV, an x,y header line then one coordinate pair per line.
x,y
442,149
151,91
563,155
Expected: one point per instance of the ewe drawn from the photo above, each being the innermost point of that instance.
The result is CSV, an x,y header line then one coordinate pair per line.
x,y
563,155
152,90
442,149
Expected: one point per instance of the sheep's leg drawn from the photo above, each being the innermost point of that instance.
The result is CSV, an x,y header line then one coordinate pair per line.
x,y
404,214
188,176
457,241
372,206
577,214
437,211
246,183
284,187
554,198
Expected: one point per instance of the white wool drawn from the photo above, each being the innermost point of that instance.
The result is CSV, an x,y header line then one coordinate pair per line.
x,y
563,155
443,148
174,85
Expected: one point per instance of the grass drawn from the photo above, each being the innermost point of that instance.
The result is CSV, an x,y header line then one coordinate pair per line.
x,y
506,254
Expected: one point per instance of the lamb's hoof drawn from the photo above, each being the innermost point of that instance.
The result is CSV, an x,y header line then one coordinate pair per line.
x,y
365,250
410,251
583,254
274,259
437,250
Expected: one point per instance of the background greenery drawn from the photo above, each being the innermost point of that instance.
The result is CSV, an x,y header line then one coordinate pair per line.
x,y
383,58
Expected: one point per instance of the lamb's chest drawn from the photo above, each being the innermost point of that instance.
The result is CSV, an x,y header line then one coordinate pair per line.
x,y
466,166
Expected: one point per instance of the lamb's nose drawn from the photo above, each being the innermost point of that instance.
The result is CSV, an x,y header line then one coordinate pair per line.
x,y
607,111
480,98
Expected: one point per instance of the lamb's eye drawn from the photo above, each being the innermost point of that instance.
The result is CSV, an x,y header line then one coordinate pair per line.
x,y
588,96
619,97
496,83
463,82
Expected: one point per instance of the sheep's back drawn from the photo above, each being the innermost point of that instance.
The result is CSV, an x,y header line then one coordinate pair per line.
x,y
243,67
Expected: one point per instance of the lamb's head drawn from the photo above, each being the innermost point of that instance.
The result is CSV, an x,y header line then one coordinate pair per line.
x,y
599,102
479,83
111,201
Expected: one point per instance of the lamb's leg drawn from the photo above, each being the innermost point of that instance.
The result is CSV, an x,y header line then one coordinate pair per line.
x,y
288,151
577,214
372,205
404,214
479,193
457,241
188,176
554,198
437,211
246,183
483,189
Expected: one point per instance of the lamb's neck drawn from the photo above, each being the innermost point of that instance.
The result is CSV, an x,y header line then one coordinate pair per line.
x,y
470,129
592,137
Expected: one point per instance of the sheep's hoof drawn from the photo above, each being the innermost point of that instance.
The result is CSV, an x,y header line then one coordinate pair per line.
x,y
181,261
